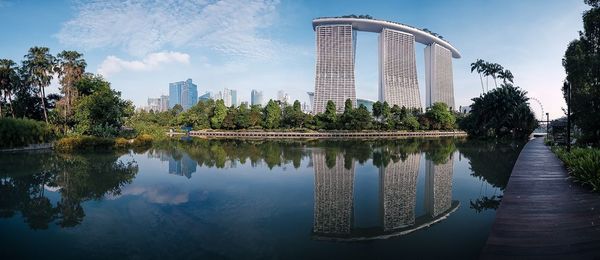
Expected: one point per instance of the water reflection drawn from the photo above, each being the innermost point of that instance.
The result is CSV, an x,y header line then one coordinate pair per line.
x,y
77,178
398,174
50,188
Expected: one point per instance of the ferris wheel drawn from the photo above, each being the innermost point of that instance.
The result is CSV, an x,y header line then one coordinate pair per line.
x,y
540,116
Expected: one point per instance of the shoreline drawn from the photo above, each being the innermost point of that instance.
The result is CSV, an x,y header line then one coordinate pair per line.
x,y
318,135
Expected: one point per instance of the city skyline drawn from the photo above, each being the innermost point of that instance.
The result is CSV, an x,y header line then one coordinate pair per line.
x,y
274,43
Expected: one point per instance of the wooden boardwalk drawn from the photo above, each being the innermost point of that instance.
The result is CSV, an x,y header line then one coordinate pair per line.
x,y
543,213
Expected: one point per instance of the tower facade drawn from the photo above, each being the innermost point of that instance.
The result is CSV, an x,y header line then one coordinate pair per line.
x,y
334,79
398,192
256,97
438,75
334,194
398,83
184,93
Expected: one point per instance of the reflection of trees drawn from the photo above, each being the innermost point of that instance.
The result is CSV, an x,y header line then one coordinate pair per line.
x,y
485,203
78,178
492,163
484,158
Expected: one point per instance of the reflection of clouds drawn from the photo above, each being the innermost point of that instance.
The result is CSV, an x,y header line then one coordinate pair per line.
x,y
52,189
157,194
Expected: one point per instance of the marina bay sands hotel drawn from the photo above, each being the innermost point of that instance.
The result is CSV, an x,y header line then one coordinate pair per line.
x,y
336,47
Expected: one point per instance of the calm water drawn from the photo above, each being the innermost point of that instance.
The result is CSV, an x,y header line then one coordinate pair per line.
x,y
422,198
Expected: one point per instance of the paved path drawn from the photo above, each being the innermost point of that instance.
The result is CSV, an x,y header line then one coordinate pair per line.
x,y
543,214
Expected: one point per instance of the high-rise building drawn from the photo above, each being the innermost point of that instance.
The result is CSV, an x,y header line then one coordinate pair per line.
x,y
283,97
227,97
335,54
334,78
164,103
311,98
398,69
234,99
206,96
184,93
438,75
154,104
256,97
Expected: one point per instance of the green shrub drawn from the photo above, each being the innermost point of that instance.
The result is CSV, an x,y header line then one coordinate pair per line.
x,y
23,132
143,140
84,143
583,164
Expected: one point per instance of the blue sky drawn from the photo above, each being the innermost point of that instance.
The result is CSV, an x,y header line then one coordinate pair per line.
x,y
141,46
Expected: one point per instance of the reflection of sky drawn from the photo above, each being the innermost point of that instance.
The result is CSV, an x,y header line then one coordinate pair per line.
x,y
243,211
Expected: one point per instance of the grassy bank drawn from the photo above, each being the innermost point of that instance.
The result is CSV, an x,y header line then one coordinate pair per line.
x,y
583,164
74,143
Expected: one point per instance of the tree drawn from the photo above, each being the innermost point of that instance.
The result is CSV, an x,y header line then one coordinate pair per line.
x,y
229,120
500,113
39,64
255,118
71,67
582,65
347,116
479,66
242,118
218,115
272,115
506,76
9,82
329,118
440,117
492,69
102,112
293,115
360,119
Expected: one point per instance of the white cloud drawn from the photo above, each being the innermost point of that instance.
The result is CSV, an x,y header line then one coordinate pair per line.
x,y
140,27
152,61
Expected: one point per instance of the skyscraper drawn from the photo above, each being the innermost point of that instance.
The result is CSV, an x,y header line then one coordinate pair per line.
x,y
334,79
283,97
438,75
256,97
154,104
205,96
184,93
164,103
234,99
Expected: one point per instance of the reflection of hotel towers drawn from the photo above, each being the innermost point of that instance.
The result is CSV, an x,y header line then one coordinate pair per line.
x,y
333,195
398,192
182,167
438,187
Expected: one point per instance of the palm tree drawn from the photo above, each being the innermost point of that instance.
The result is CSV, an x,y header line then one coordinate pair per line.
x,y
479,67
71,67
39,64
9,80
506,76
492,69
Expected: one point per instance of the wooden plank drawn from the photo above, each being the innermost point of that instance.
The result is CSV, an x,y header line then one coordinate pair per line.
x,y
543,214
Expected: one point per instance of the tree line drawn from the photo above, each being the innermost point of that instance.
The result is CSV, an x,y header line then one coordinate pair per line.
x,y
213,114
86,103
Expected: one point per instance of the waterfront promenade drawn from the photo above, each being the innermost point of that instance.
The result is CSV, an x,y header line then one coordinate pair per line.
x,y
544,214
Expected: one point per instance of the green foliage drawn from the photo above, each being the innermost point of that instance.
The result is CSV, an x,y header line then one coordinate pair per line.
x,y
272,115
439,117
23,132
582,65
102,112
583,164
84,142
329,119
218,115
503,112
